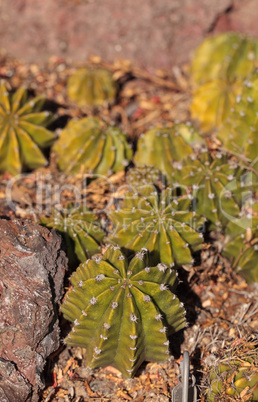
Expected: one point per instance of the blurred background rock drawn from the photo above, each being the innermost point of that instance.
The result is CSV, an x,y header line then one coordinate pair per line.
x,y
150,33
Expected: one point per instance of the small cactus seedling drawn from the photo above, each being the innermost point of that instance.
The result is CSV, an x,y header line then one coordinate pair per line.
x,y
123,311
142,176
241,245
160,147
162,223
235,377
92,87
213,183
244,376
89,146
218,72
22,131
239,133
80,230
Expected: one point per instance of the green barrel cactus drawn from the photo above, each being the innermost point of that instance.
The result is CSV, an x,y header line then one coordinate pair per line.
x,y
89,145
218,72
92,87
143,176
122,310
214,186
161,146
79,228
161,222
239,132
241,244
23,132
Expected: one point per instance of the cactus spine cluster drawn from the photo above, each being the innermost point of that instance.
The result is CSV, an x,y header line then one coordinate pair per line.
x,y
123,311
143,176
161,222
91,87
79,228
89,145
22,131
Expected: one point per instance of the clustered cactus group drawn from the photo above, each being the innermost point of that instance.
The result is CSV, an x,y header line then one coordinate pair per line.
x,y
236,376
122,303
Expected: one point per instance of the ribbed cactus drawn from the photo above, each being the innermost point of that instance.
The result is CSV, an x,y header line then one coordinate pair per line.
x,y
241,244
22,131
239,132
92,87
79,228
218,72
123,311
160,222
225,55
144,175
89,145
213,182
161,146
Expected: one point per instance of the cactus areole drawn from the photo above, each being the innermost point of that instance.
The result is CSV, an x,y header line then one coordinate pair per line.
x,y
123,311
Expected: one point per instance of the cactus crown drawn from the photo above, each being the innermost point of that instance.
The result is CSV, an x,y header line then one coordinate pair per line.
x,y
92,87
79,228
142,176
88,145
122,310
22,131
160,222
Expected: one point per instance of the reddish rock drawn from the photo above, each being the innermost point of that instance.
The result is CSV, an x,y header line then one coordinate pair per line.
x,y
152,34
32,267
242,17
